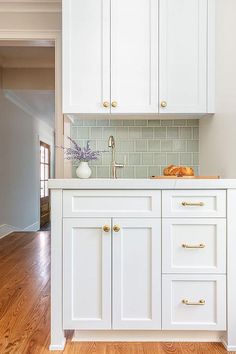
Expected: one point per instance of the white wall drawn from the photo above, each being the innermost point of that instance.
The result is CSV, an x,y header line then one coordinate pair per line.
x,y
19,165
218,134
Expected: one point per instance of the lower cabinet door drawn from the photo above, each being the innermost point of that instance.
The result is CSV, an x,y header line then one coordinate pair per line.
x,y
87,273
194,302
136,273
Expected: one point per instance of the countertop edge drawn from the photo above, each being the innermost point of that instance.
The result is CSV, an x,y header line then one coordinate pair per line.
x,y
75,183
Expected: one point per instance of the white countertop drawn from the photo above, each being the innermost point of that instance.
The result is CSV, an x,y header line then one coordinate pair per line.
x,y
103,183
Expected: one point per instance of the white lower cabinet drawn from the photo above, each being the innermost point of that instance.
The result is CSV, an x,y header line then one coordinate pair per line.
x,y
88,301
86,273
137,274
194,302
137,271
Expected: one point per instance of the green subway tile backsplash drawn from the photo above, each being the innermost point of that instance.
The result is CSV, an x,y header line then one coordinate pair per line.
x,y
145,146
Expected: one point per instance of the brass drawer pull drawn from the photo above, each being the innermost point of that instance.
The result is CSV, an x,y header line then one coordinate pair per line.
x,y
200,302
106,228
201,245
192,204
116,228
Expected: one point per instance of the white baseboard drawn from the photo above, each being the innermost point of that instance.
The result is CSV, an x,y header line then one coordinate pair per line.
x,y
229,348
6,230
54,347
33,227
147,336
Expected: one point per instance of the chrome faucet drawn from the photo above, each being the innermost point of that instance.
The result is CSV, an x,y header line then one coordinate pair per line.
x,y
114,164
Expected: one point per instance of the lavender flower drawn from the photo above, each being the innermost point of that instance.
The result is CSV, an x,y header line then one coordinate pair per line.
x,y
84,154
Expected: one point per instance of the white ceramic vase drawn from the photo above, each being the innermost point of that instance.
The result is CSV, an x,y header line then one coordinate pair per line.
x,y
83,170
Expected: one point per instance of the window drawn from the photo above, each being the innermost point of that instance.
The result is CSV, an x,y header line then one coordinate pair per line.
x,y
44,169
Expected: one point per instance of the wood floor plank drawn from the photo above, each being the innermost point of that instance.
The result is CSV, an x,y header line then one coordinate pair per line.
x,y
25,306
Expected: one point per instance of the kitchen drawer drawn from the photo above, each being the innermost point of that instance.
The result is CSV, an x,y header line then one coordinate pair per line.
x,y
194,302
194,245
194,203
110,203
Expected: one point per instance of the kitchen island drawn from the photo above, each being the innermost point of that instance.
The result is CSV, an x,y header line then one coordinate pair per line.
x,y
143,260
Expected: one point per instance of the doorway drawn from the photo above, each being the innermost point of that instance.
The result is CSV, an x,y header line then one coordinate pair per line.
x,y
45,168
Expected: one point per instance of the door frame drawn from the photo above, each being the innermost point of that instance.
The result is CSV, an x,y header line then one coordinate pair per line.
x,y
51,174
56,37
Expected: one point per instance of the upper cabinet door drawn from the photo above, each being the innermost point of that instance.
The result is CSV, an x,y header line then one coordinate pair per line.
x,y
134,56
183,56
86,56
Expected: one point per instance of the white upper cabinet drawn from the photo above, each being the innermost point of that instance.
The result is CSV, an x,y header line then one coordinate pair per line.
x,y
183,56
134,56
86,56
138,56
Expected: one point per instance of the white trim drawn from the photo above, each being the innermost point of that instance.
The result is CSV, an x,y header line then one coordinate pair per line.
x,y
57,331
147,336
211,58
16,100
33,227
6,230
44,35
61,346
229,348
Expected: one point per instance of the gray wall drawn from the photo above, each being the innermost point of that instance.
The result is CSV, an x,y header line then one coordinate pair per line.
x,y
19,166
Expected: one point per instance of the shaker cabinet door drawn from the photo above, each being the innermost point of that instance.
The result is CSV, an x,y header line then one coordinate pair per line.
x,y
183,56
86,56
87,273
137,273
134,56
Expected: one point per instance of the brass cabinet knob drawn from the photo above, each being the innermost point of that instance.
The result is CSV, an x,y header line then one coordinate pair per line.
x,y
114,104
106,104
106,228
163,104
116,228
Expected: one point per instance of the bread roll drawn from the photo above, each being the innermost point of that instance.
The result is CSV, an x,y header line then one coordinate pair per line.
x,y
178,171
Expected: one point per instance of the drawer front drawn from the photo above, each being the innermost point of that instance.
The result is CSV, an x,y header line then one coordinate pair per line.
x,y
110,203
194,203
194,302
194,245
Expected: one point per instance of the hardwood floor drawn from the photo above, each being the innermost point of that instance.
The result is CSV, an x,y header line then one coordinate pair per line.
x,y
25,313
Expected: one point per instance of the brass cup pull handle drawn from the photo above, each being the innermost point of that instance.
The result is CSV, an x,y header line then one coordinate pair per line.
x,y
106,228
163,104
187,302
114,104
192,204
201,245
116,228
106,104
